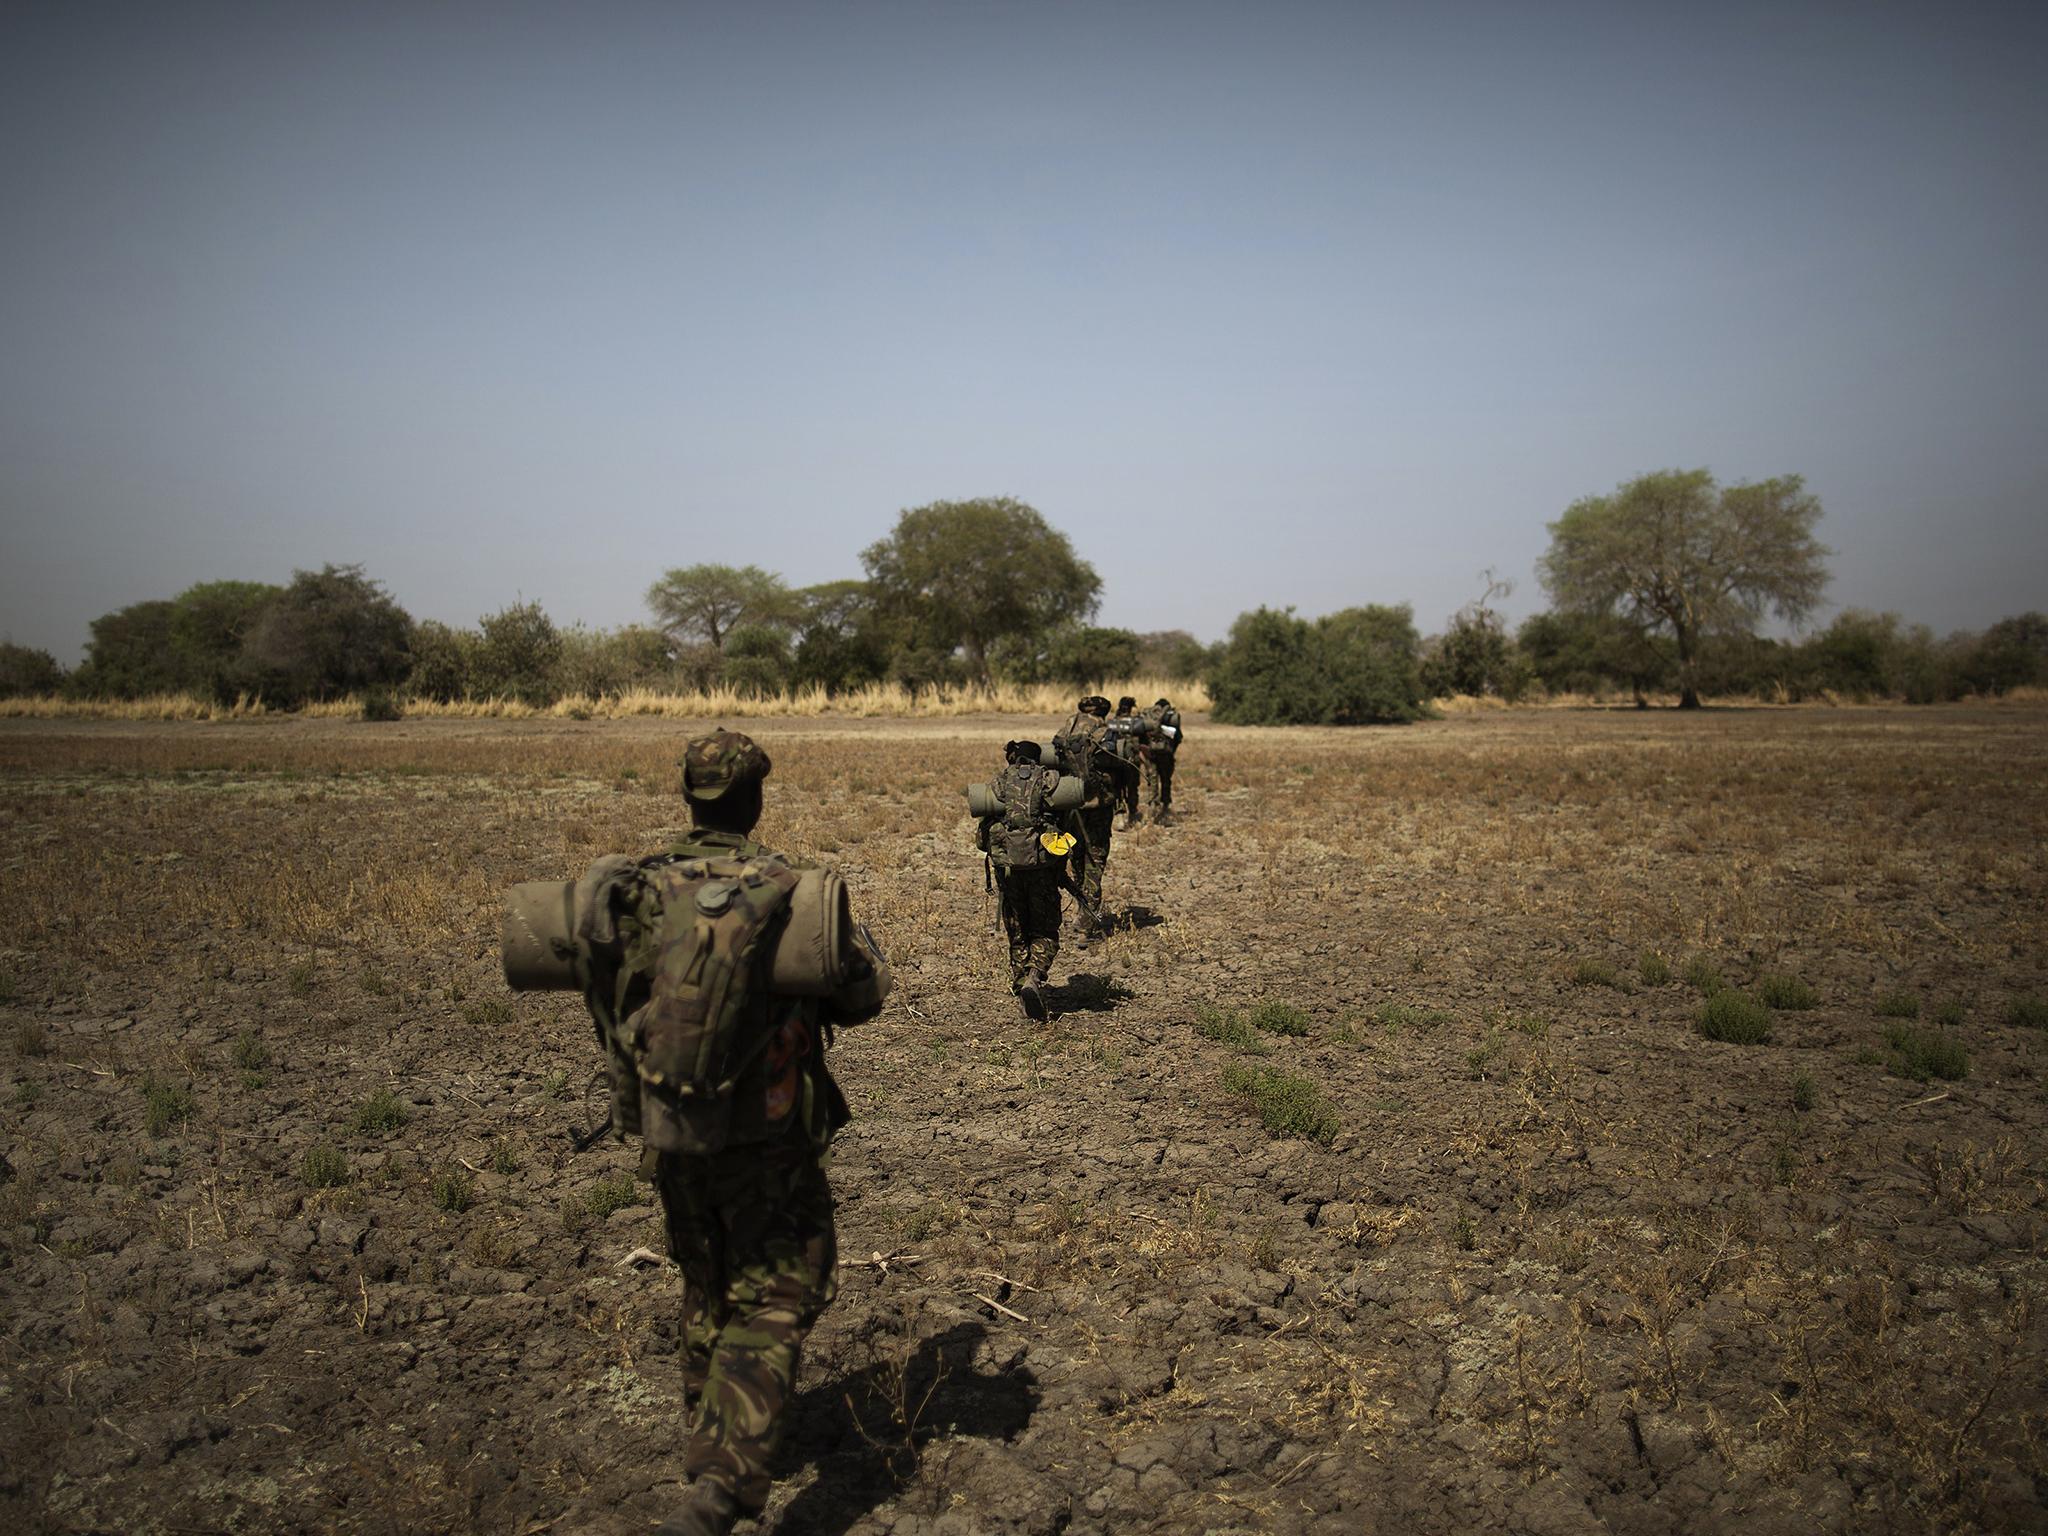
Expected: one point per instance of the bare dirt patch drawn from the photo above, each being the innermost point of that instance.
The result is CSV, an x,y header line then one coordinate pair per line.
x,y
292,1236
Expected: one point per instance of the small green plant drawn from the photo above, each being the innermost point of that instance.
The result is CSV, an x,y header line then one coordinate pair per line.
x,y
555,1085
1802,1091
382,704
1394,1017
323,1167
1701,976
6,986
1534,1025
1919,1053
629,773
1653,970
26,1093
29,1038
165,1103
1227,1027
251,1081
382,1111
1788,994
1785,1163
374,981
1898,1004
299,979
504,1157
609,1195
1290,1106
1735,1019
1950,1014
1595,973
1465,1234
1867,1056
2027,1012
1277,1018
487,1013
251,1052
454,1191
1481,1059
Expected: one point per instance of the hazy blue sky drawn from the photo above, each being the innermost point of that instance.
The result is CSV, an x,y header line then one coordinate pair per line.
x,y
1296,304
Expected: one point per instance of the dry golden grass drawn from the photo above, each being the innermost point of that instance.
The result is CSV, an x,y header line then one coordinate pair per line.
x,y
877,701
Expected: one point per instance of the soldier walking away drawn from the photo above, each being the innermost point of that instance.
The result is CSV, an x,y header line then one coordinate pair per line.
x,y
1159,758
1027,848
1132,736
677,972
1084,753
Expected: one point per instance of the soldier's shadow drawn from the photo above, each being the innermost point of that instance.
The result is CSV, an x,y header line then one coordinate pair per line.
x,y
866,1430
1088,993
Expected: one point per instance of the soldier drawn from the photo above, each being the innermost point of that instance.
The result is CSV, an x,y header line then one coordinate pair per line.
x,y
750,1226
1084,753
1159,756
1123,735
1028,849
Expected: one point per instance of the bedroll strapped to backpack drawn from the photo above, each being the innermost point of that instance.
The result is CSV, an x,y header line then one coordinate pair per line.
x,y
675,958
1023,793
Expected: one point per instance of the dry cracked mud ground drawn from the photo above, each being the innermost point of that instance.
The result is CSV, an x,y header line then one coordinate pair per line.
x,y
293,1236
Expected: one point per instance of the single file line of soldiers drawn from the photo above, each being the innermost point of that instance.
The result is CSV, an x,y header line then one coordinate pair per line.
x,y
715,974
1046,825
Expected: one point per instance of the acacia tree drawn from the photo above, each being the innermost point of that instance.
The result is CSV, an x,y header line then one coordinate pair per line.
x,y
701,604
966,574
1678,558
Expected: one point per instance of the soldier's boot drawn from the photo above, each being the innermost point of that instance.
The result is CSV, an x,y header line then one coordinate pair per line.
x,y
708,1509
1031,994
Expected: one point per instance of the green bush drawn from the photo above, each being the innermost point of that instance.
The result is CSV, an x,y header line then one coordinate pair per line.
x,y
1398,1016
1802,1092
165,1103
454,1191
1898,1004
1654,969
1290,1106
1359,666
1949,1013
1276,1018
381,1111
323,1167
1731,1017
610,1194
1229,1028
1595,973
2028,1012
1919,1053
1701,976
1786,993
251,1051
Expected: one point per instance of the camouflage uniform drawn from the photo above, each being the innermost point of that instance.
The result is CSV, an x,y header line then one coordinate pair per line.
x,y
1090,858
1030,897
750,1226
1159,757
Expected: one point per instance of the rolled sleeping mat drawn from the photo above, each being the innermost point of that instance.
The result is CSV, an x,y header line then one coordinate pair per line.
x,y
810,952
981,801
537,939
1068,795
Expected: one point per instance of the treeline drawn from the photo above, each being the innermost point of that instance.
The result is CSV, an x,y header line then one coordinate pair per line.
x,y
969,594
959,594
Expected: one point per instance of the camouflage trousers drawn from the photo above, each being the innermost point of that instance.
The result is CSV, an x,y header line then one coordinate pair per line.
x,y
1091,857
1031,919
751,1230
1159,781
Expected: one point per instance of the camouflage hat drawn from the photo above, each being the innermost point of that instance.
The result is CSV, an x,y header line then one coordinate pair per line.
x,y
713,764
1126,704
1023,752
1094,704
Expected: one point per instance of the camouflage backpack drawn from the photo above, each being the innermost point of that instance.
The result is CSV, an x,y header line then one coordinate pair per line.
x,y
1075,746
674,976
1024,791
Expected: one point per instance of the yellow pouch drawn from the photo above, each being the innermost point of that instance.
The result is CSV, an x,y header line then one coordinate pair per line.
x,y
1058,844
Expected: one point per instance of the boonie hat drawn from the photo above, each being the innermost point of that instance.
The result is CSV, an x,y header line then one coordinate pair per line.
x,y
713,764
